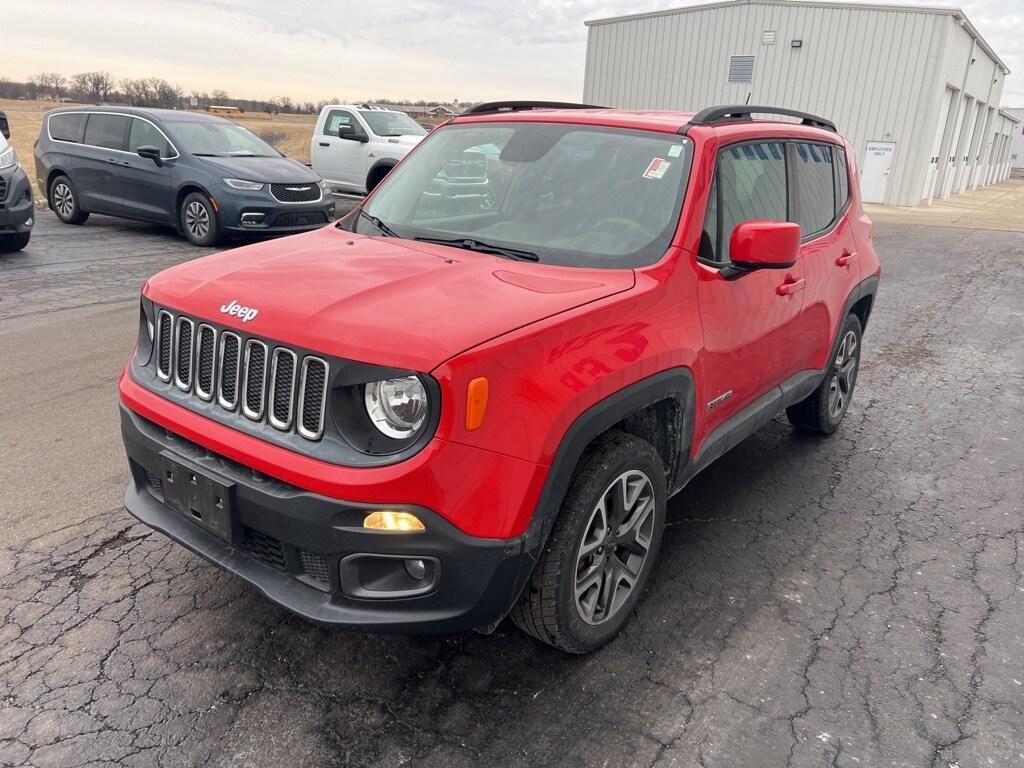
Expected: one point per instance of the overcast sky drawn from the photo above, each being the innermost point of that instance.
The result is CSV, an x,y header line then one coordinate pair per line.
x,y
356,49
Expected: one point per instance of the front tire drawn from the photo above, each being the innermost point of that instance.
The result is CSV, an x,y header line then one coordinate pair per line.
x,y
601,552
198,220
823,410
15,242
63,200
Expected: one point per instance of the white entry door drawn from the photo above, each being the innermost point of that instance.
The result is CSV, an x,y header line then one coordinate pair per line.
x,y
874,174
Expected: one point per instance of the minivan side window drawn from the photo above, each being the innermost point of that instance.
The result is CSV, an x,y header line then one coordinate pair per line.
x,y
107,131
750,182
816,187
67,126
338,117
145,134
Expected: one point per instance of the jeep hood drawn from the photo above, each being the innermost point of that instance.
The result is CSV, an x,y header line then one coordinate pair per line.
x,y
378,300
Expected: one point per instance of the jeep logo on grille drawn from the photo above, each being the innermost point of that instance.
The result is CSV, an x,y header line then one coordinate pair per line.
x,y
234,308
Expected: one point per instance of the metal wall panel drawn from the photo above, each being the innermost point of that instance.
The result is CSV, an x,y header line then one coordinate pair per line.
x,y
880,73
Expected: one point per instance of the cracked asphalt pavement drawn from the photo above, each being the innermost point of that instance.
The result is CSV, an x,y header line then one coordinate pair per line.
x,y
851,601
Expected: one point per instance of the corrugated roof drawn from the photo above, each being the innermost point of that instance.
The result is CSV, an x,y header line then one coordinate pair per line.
x,y
957,13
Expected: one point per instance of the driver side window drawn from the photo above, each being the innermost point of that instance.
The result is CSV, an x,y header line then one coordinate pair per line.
x,y
750,183
339,117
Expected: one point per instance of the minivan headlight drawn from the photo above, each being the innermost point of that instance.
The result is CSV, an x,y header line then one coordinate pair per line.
x,y
248,186
397,407
8,158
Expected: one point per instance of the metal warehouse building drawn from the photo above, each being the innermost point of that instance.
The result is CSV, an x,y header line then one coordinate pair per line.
x,y
915,89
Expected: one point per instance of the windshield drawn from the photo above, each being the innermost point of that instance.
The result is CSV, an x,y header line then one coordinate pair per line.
x,y
392,123
567,194
219,139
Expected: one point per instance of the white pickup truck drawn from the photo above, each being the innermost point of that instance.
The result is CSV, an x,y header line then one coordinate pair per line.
x,y
354,147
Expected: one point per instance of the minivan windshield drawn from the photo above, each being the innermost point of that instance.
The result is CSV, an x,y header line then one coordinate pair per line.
x,y
384,123
574,195
219,138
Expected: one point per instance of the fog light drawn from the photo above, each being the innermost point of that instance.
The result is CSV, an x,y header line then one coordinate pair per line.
x,y
390,520
29,221
253,219
416,568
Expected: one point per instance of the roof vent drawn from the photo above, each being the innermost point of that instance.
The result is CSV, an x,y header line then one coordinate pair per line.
x,y
741,69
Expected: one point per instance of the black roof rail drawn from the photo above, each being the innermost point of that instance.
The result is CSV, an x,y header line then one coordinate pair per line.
x,y
734,112
521,106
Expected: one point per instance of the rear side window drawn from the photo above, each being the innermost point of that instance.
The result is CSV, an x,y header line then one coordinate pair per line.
x,y
842,180
144,134
107,131
816,187
750,183
68,126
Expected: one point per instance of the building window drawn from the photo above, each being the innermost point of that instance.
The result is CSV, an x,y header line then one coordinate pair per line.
x,y
741,69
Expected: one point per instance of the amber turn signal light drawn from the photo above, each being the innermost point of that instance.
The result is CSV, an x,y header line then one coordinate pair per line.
x,y
476,402
392,520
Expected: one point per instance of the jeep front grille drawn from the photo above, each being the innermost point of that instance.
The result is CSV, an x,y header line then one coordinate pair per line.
x,y
3,189
260,380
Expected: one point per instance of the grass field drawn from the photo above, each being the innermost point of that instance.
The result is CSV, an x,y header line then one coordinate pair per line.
x,y
289,133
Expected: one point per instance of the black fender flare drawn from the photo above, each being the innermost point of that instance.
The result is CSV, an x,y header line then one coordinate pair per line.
x,y
671,384
384,162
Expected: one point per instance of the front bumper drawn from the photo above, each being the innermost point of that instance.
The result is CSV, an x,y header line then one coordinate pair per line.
x,y
17,208
310,554
259,214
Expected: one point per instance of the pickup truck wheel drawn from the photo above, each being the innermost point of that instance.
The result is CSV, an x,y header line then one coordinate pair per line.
x,y
14,242
602,549
199,220
822,411
376,176
63,200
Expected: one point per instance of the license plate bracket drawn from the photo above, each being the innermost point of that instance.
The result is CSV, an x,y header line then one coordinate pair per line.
x,y
199,496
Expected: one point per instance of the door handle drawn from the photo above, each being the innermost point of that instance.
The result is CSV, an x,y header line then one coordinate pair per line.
x,y
790,287
846,258
324,143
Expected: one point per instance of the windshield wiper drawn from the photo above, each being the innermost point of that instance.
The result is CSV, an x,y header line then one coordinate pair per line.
x,y
470,244
383,228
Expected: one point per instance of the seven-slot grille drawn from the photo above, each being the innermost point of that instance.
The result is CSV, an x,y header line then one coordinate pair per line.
x,y
296,193
264,382
3,189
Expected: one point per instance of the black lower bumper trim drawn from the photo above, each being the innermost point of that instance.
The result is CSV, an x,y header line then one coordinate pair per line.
x,y
289,543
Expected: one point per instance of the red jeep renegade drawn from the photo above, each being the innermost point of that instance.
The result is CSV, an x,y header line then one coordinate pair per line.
x,y
475,394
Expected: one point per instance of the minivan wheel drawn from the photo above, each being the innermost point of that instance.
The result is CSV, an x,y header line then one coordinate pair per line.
x,y
602,549
198,220
822,411
14,242
63,201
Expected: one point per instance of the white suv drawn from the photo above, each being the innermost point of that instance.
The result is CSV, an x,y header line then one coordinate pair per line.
x,y
354,147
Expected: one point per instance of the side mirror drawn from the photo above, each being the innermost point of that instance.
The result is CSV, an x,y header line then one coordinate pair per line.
x,y
151,153
348,131
764,245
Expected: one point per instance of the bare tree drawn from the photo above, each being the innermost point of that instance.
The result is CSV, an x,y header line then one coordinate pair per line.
x,y
220,96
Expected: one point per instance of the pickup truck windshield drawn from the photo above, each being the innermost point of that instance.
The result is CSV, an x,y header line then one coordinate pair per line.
x,y
219,139
572,195
392,123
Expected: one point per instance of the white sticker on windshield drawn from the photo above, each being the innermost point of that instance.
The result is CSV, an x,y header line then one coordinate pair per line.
x,y
675,150
657,168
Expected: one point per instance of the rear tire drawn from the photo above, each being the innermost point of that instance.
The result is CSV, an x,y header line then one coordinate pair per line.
x,y
198,220
63,200
823,410
602,550
15,242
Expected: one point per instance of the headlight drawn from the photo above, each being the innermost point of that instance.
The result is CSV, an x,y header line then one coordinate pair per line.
x,y
8,158
249,186
397,407
144,346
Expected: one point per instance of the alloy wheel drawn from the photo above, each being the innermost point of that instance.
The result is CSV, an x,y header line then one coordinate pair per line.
x,y
197,219
844,374
63,200
615,546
